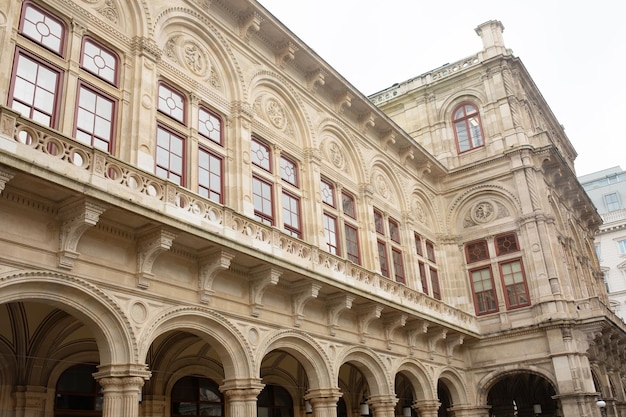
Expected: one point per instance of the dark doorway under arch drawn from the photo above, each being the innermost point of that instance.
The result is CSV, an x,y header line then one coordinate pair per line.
x,y
522,395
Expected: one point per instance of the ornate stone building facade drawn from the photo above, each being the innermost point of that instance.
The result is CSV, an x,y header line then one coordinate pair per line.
x,y
607,191
200,216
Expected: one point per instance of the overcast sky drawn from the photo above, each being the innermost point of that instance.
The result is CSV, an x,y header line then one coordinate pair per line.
x,y
574,50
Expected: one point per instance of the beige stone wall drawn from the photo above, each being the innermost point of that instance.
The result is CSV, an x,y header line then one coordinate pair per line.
x,y
103,262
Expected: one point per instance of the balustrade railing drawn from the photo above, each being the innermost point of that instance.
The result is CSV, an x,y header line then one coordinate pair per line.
x,y
36,144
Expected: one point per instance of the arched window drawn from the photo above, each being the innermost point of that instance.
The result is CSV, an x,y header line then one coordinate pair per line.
x,y
196,396
78,393
467,127
274,401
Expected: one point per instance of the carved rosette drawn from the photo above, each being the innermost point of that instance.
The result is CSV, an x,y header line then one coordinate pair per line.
x,y
484,212
191,56
335,154
273,111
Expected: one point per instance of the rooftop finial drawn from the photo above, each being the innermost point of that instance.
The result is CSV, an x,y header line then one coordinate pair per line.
x,y
493,41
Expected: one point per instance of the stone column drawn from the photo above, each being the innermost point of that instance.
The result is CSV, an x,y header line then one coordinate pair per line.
x,y
121,386
427,408
382,405
323,401
241,397
30,401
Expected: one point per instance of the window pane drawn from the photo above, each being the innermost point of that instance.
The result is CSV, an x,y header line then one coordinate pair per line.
x,y
418,244
260,155
328,193
484,294
94,119
378,222
288,171
382,259
330,232
352,244
394,231
348,205
263,202
515,285
99,61
169,156
35,89
506,244
398,267
209,125
43,28
291,214
171,103
476,251
210,176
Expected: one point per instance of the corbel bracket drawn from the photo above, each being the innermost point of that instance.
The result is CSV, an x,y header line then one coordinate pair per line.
x,y
209,265
300,295
261,280
149,246
76,218
335,306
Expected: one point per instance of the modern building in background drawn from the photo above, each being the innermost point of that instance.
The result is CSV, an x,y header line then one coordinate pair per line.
x,y
200,216
607,190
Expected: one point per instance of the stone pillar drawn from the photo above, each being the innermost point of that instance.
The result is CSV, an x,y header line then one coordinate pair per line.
x,y
30,401
382,405
427,408
241,397
579,405
323,401
121,386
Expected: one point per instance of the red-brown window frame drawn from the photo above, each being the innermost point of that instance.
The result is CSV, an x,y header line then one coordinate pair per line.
x,y
294,231
296,182
354,257
505,235
220,141
271,218
398,267
430,251
504,286
99,92
116,77
468,255
263,144
330,187
493,291
336,248
63,41
206,150
54,117
465,119
183,179
183,98
434,279
383,259
423,277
